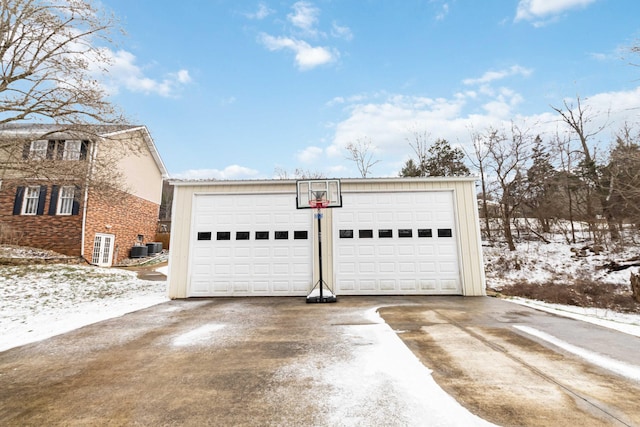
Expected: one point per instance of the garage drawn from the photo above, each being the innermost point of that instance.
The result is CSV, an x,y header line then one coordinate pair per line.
x,y
386,236
396,243
250,245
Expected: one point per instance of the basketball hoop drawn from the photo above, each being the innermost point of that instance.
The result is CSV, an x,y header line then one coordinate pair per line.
x,y
318,203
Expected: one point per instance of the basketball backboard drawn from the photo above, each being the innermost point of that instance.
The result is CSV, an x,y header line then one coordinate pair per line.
x,y
310,191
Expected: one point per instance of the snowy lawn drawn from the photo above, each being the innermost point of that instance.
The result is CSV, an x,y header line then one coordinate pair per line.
x,y
40,301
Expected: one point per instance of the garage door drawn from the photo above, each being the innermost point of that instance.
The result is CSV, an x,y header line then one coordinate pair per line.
x,y
245,245
396,243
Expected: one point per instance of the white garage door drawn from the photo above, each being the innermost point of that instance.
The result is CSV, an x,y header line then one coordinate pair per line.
x,y
396,243
245,245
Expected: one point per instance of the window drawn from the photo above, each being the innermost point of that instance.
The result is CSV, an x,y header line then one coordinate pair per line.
x,y
385,233
38,150
300,235
30,202
65,200
71,150
365,234
346,234
204,235
262,235
223,235
405,232
242,235
281,235
424,232
444,232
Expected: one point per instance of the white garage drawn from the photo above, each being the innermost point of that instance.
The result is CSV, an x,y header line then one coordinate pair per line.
x,y
393,236
396,243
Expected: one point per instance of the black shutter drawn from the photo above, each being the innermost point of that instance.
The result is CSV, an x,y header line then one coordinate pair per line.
x,y
59,149
83,150
42,198
54,200
17,205
51,149
75,209
26,149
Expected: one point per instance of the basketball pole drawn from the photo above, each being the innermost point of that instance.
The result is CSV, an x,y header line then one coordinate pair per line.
x,y
321,298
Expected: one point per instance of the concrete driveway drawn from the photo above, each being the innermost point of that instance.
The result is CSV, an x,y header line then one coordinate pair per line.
x,y
279,361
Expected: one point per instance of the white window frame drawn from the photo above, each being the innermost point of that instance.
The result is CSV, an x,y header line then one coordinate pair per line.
x,y
39,149
65,200
30,200
72,150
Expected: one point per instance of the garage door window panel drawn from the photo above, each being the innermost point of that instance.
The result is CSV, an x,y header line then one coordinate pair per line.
x,y
386,233
223,235
262,235
204,235
445,232
425,232
346,234
242,235
365,234
300,235
405,232
281,235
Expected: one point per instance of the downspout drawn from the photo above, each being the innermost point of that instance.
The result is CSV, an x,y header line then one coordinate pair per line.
x,y
92,156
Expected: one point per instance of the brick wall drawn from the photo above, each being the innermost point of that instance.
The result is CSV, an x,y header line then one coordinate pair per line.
x,y
124,216
60,233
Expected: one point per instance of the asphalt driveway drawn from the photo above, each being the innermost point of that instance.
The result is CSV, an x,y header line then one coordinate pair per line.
x,y
279,361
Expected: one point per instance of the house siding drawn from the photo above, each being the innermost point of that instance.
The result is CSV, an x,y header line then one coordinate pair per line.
x,y
60,233
125,218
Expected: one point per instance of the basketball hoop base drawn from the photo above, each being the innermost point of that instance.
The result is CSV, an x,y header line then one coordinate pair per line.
x,y
315,297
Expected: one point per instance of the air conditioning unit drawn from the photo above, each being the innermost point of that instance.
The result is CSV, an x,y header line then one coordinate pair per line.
x,y
139,252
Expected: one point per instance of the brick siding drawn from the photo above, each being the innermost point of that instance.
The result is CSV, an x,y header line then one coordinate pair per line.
x,y
60,233
126,217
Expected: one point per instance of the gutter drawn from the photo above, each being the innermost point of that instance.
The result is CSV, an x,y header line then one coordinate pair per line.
x,y
92,157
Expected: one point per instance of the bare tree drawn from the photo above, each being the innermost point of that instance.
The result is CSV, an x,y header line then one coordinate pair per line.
x,y
52,107
507,157
578,118
50,52
361,153
298,173
479,160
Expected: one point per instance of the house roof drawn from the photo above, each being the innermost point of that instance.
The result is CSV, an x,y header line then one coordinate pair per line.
x,y
35,131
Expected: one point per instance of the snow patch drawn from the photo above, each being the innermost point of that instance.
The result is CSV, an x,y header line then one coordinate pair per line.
x,y
199,336
629,371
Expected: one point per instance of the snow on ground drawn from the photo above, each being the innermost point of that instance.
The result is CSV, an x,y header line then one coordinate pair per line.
x,y
539,262
40,301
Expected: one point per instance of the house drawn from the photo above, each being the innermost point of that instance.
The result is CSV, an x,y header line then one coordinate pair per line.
x,y
384,236
87,191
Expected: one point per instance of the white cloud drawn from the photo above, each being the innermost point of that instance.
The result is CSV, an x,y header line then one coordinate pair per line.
x,y
306,56
309,154
530,10
391,119
230,172
444,11
262,12
304,16
341,32
125,73
490,76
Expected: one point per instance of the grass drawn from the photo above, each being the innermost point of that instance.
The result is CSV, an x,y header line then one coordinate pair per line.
x,y
582,293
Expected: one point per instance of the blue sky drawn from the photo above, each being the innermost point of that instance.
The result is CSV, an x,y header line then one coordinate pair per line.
x,y
235,89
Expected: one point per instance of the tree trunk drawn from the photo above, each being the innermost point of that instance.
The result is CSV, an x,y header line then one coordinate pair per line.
x,y
635,286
